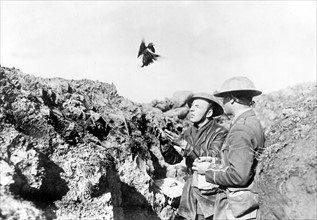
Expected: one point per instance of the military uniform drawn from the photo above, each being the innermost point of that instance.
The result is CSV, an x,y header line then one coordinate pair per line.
x,y
206,141
244,141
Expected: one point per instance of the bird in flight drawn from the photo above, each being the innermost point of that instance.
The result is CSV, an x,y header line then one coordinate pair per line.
x,y
148,53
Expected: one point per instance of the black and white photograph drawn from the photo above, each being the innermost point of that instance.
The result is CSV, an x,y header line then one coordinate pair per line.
x,y
158,110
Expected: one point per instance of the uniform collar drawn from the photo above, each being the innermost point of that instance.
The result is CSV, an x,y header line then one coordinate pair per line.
x,y
243,114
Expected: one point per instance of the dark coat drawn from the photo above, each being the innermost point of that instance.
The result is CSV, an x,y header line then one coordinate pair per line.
x,y
206,141
244,142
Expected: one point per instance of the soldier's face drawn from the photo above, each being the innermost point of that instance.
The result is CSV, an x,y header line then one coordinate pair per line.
x,y
227,105
198,110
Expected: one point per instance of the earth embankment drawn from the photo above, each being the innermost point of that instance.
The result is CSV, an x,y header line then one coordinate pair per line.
x,y
72,149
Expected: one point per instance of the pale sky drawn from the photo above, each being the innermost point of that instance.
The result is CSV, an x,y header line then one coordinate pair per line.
x,y
201,43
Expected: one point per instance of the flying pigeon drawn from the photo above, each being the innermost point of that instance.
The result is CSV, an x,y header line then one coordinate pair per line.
x,y
148,53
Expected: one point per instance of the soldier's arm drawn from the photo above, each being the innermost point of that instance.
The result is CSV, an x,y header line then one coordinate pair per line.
x,y
214,149
170,154
240,158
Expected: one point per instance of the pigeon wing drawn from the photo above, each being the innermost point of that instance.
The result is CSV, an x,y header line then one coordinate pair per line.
x,y
151,47
142,48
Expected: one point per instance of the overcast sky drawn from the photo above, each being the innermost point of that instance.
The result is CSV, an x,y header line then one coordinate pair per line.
x,y
201,43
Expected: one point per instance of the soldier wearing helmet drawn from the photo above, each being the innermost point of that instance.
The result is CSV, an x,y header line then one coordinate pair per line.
x,y
240,152
204,138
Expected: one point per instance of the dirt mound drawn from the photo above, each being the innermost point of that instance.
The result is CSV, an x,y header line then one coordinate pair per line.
x,y
287,173
77,149
73,149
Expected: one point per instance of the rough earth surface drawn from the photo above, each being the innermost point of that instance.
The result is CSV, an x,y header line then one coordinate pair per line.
x,y
76,149
287,172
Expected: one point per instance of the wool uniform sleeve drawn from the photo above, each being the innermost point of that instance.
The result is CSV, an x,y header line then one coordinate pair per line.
x,y
214,148
238,156
170,155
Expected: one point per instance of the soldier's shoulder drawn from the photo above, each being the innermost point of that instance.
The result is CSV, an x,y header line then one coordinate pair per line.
x,y
240,124
221,128
246,124
247,120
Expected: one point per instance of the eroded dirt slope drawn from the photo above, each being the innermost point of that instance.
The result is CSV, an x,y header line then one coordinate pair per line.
x,y
287,173
76,149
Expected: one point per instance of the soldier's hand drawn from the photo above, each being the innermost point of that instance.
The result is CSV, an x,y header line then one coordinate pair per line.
x,y
206,159
178,143
201,167
174,138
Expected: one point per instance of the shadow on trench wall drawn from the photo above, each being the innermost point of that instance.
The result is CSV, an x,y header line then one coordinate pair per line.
x,y
53,187
127,202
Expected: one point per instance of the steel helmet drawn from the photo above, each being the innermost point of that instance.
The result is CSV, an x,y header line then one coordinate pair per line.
x,y
238,85
218,110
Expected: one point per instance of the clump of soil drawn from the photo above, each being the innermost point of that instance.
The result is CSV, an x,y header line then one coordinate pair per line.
x,y
72,149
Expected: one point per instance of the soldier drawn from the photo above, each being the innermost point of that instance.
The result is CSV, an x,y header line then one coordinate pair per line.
x,y
240,152
204,138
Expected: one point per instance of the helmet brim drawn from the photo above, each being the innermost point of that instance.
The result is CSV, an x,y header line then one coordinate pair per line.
x,y
243,93
217,108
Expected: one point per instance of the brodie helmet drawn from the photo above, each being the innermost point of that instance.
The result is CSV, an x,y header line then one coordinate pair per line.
x,y
238,86
218,110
